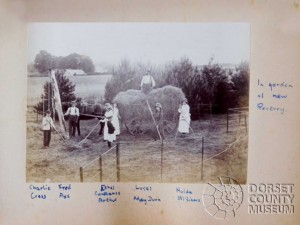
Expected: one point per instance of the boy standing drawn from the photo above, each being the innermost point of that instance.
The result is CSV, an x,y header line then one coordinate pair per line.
x,y
47,123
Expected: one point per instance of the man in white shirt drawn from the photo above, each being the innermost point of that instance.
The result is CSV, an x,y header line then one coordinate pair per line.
x,y
147,82
73,113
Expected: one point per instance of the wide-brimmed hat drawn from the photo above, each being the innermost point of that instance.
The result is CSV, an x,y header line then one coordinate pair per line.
x,y
108,105
158,105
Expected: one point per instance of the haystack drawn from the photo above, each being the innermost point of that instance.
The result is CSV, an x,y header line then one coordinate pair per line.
x,y
132,103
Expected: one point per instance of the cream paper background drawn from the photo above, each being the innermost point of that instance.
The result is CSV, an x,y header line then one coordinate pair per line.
x,y
274,139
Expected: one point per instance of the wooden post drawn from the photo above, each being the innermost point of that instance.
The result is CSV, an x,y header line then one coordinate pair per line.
x,y
161,161
81,174
199,111
43,105
37,115
239,118
202,158
118,162
246,123
49,91
210,112
227,120
100,166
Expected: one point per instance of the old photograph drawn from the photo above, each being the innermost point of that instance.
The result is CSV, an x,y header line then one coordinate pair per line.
x,y
137,102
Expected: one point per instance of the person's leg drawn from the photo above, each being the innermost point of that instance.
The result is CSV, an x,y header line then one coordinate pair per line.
x,y
70,126
45,138
109,144
78,126
73,127
101,128
49,137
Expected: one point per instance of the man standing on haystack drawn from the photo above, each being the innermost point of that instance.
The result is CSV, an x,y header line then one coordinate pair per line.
x,y
73,113
184,118
147,83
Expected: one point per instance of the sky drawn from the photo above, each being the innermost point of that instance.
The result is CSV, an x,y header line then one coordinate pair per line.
x,y
155,43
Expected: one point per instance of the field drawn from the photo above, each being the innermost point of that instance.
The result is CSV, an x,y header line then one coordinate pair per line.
x,y
85,85
141,158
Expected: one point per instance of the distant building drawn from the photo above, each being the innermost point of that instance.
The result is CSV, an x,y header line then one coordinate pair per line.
x,y
69,72
100,69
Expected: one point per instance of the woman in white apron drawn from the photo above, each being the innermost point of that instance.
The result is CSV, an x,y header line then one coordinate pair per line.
x,y
109,129
184,118
115,119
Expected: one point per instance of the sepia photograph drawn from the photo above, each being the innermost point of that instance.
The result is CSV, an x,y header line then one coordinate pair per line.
x,y
137,102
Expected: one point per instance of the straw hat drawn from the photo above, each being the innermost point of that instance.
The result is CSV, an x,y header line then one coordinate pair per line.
x,y
108,105
185,100
158,105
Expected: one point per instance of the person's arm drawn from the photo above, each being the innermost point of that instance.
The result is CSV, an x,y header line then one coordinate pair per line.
x,y
179,109
44,122
51,123
153,82
119,115
77,111
142,81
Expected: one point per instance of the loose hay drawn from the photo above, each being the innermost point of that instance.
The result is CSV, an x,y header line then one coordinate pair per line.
x,y
132,103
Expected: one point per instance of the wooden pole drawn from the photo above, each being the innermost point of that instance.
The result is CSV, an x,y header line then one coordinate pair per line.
x,y
81,174
227,120
210,111
156,126
161,161
199,111
100,165
49,91
202,158
43,105
246,123
118,162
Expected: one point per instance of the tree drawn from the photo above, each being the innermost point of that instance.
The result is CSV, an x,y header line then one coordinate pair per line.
x,y
123,78
31,68
240,84
66,92
87,65
43,61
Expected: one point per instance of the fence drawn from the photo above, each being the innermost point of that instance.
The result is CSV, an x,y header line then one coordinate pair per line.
x,y
199,110
121,164
158,161
100,160
241,112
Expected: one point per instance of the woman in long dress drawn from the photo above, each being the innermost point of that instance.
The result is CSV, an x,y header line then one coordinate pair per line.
x,y
109,130
115,119
184,118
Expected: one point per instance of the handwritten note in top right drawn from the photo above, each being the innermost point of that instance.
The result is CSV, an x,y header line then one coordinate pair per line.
x,y
272,96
